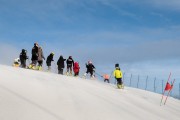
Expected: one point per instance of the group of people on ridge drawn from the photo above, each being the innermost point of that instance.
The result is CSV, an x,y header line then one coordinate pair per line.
x,y
38,57
71,66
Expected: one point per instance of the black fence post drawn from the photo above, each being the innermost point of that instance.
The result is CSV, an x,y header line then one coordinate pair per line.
x,y
123,77
130,80
138,82
146,83
155,84
179,90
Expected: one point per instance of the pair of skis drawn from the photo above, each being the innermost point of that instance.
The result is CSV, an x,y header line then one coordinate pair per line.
x,y
168,88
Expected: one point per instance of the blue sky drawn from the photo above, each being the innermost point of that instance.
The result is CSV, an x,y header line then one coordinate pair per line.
x,y
141,35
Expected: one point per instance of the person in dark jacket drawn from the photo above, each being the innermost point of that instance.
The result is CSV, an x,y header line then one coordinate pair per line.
x,y
90,69
35,54
60,64
70,65
40,58
49,60
23,57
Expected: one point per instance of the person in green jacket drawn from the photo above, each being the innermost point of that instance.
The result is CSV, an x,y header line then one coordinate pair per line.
x,y
118,76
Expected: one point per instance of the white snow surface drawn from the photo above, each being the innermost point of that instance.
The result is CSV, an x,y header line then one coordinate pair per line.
x,y
35,95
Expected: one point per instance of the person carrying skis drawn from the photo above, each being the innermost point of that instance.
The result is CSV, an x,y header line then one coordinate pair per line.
x,y
76,69
40,58
90,69
60,64
106,77
118,76
23,57
34,56
49,60
70,64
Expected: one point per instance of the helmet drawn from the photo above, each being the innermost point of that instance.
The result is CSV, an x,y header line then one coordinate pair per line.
x,y
23,50
70,57
116,65
52,53
89,62
17,60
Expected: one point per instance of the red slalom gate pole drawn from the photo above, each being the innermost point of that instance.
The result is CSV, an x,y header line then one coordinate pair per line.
x,y
164,89
169,92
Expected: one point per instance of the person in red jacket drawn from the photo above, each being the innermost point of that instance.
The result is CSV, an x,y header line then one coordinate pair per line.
x,y
76,69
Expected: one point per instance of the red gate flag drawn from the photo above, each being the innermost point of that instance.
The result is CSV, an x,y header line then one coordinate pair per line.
x,y
168,86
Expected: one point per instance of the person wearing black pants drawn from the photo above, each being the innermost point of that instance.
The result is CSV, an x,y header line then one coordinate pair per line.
x,y
90,69
49,60
70,65
23,57
60,64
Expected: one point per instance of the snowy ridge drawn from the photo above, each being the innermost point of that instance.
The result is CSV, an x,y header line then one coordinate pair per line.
x,y
34,95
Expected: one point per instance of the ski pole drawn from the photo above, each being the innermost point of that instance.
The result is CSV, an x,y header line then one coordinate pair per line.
x,y
28,62
111,75
164,89
55,67
98,74
169,92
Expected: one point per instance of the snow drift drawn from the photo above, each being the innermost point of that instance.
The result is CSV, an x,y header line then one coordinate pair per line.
x,y
34,95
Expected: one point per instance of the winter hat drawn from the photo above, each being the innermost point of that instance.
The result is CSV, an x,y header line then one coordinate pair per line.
x,y
89,62
36,44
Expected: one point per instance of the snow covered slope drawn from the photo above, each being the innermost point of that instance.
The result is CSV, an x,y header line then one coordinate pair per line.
x,y
34,95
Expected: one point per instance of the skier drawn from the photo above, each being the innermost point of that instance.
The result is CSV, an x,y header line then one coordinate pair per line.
x,y
49,60
16,62
23,57
34,56
106,77
118,76
60,64
40,58
70,64
90,69
76,69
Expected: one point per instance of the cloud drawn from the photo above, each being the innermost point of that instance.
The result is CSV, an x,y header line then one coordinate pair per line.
x,y
173,4
118,47
159,4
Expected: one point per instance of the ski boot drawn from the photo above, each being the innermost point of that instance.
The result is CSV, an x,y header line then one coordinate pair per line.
x,y
39,68
118,86
67,73
84,76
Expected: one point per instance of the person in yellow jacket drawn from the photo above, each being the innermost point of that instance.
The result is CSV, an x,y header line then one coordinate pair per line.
x,y
118,76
